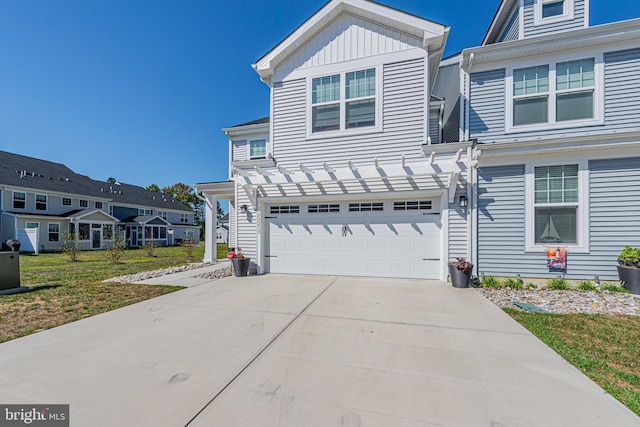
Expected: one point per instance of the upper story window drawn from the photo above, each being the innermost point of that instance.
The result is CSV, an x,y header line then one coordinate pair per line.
x,y
144,212
554,95
98,205
41,202
84,203
550,11
184,218
162,214
19,200
258,149
344,101
66,201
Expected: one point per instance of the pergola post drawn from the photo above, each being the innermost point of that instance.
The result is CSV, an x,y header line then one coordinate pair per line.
x,y
211,226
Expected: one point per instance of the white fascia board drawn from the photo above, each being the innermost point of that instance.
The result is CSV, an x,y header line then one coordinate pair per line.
x,y
389,17
499,19
246,130
575,39
627,141
221,190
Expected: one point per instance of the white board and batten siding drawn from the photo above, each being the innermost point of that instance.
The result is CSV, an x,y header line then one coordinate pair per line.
x,y
403,123
621,102
347,38
613,200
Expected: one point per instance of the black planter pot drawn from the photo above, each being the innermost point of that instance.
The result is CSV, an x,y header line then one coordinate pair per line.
x,y
241,266
631,278
459,278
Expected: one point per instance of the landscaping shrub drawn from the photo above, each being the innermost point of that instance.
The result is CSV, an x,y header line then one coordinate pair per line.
x,y
612,287
586,285
490,282
512,283
558,284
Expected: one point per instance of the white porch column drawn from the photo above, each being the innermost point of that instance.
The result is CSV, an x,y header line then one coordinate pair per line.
x,y
211,226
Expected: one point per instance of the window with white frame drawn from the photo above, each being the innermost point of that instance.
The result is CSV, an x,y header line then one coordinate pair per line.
x,y
556,204
66,201
41,202
84,203
144,212
558,94
162,214
98,205
550,11
343,101
54,232
258,149
19,200
30,224
184,218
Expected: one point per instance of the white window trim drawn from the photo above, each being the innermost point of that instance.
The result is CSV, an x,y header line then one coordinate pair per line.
x,y
566,16
184,218
343,105
59,231
26,224
67,198
266,149
583,245
80,203
13,200
552,123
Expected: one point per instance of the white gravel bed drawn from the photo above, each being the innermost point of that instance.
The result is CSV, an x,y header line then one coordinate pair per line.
x,y
217,274
563,302
131,278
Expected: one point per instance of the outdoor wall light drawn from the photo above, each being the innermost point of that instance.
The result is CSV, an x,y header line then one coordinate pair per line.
x,y
464,202
243,209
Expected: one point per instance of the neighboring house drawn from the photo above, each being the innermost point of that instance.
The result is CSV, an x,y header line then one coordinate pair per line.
x,y
222,232
554,105
381,159
41,200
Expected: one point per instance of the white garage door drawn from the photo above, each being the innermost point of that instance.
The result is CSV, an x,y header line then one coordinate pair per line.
x,y
379,238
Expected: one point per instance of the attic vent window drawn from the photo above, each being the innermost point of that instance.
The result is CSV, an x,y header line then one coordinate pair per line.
x,y
552,9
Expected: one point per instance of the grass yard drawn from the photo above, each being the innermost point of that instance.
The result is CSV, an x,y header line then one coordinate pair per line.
x,y
605,348
62,292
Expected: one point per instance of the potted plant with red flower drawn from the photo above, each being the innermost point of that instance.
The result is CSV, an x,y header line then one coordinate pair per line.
x,y
240,262
460,273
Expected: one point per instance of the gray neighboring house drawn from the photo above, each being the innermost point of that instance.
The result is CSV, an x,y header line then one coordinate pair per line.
x,y
41,200
381,159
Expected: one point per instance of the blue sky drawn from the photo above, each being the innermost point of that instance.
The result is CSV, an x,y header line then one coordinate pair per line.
x,y
140,89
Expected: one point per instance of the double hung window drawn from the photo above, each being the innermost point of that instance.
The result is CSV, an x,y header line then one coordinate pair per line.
x,y
19,200
41,202
54,232
558,94
258,149
556,204
344,101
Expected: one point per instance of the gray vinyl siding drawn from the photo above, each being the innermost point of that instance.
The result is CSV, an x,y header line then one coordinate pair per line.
x,y
621,102
487,109
403,122
614,201
512,29
434,126
622,89
532,30
458,235
447,88
239,151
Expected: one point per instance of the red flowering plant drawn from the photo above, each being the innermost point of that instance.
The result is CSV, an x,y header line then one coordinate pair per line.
x,y
462,264
237,254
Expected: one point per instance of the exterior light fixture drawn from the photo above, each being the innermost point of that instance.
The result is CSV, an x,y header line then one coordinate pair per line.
x,y
243,209
464,202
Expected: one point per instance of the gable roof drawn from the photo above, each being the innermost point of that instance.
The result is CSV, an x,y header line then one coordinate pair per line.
x,y
500,19
434,35
37,174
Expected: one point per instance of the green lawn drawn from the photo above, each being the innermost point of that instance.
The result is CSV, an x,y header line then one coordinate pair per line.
x,y
605,348
62,292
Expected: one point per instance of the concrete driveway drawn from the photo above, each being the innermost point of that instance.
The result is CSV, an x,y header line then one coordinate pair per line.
x,y
281,350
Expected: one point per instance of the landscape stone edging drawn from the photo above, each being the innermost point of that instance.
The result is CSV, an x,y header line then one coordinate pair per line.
x,y
564,302
131,278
